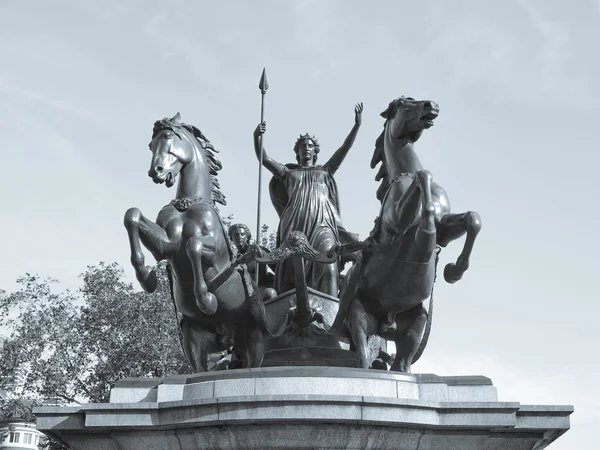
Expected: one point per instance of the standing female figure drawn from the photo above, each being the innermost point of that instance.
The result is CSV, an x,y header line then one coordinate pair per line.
x,y
305,197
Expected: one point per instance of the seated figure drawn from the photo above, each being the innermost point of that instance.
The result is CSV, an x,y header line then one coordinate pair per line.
x,y
241,237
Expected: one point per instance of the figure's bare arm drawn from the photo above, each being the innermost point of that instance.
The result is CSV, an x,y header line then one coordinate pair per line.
x,y
269,163
338,157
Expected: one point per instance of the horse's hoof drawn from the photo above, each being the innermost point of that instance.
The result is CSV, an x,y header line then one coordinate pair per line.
x,y
148,279
379,365
452,274
209,306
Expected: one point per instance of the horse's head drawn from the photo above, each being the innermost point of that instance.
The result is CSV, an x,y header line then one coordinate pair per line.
x,y
407,117
176,145
171,149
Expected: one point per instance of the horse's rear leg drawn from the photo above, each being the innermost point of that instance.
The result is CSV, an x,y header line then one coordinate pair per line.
x,y
254,346
360,323
197,344
143,231
206,301
452,227
407,337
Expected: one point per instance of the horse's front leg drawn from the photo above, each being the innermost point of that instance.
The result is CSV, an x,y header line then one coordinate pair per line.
x,y
143,231
401,205
206,301
425,236
450,228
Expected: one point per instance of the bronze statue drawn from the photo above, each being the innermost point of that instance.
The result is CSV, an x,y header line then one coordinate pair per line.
x,y
384,292
306,199
216,299
241,237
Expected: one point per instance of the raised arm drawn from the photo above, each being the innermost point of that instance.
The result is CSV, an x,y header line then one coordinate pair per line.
x,y
338,157
273,166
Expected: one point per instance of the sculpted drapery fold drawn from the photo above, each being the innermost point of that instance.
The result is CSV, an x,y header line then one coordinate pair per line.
x,y
306,199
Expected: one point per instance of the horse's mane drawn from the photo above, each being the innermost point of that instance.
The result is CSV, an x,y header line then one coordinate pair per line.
x,y
214,165
379,157
379,154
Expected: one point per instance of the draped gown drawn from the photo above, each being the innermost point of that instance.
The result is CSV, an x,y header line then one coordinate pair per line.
x,y
306,199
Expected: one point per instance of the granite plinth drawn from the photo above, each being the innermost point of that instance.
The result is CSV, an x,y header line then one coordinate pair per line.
x,y
306,407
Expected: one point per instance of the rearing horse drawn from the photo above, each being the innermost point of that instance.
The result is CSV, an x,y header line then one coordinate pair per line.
x,y
384,293
216,300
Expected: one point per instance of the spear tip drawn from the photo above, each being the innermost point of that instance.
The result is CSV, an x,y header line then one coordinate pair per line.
x,y
263,85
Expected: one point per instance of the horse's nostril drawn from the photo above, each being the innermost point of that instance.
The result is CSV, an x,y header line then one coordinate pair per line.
x,y
427,105
158,169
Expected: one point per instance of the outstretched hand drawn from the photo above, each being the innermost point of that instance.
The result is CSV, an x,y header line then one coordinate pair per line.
x,y
358,113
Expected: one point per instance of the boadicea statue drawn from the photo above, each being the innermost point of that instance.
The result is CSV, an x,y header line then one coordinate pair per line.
x,y
305,196
337,406
218,303
248,250
383,294
383,297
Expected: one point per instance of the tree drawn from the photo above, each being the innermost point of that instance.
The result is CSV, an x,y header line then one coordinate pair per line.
x,y
74,347
42,342
129,333
268,240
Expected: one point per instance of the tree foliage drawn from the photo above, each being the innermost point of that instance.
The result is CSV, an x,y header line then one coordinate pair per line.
x,y
268,239
73,347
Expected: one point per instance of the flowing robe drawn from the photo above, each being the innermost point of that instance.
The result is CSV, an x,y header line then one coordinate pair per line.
x,y
306,200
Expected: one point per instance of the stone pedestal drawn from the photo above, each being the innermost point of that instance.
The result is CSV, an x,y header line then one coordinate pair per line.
x,y
306,407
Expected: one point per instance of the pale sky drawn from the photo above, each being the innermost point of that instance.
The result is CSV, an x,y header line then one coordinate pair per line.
x,y
81,84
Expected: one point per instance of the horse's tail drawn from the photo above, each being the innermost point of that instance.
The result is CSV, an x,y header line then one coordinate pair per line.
x,y
169,271
427,330
346,296
426,333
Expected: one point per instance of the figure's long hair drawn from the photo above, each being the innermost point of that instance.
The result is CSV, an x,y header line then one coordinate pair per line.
x,y
243,226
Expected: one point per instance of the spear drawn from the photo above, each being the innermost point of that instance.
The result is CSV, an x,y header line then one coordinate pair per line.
x,y
263,85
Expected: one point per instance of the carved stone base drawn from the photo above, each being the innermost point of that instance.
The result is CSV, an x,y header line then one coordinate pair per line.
x,y
306,407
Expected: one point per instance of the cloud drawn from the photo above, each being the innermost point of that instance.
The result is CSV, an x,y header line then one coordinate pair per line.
x,y
474,45
24,95
555,39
